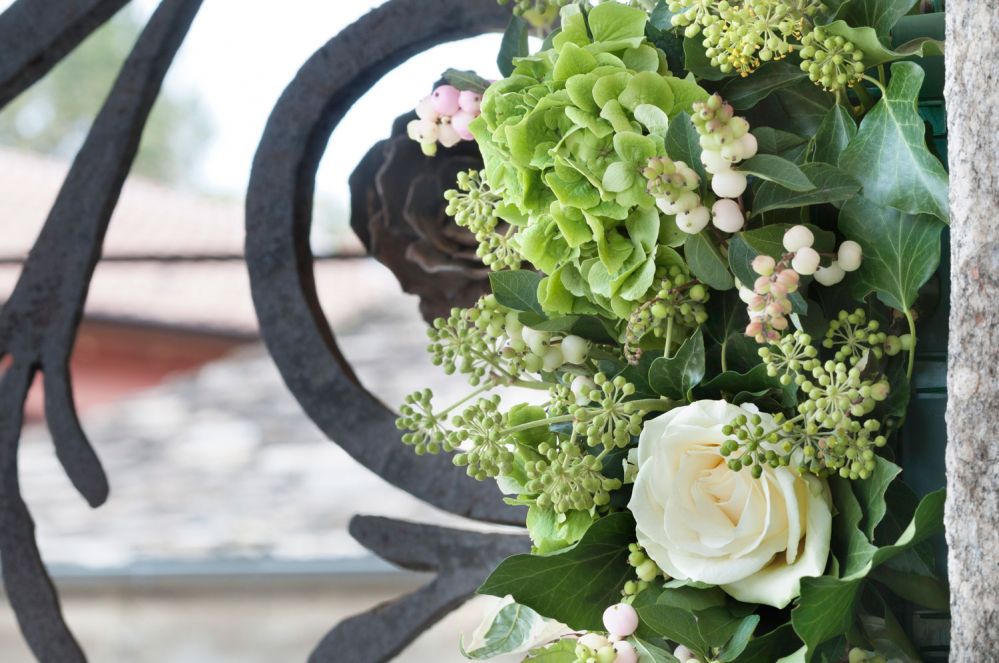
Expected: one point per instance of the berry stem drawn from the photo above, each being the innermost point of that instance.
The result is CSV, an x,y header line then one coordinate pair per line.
x,y
879,84
669,336
724,355
912,350
564,419
487,386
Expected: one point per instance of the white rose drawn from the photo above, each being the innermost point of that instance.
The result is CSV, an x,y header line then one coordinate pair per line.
x,y
700,521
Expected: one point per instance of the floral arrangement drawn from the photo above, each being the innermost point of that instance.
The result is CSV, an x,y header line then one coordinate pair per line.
x,y
709,224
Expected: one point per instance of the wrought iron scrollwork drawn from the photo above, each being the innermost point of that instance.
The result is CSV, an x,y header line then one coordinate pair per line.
x,y
39,322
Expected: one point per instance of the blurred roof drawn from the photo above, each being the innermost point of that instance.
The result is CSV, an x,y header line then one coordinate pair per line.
x,y
199,291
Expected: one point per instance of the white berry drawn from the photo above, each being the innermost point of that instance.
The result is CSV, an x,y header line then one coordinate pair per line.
x,y
694,221
850,256
714,163
806,261
749,145
830,275
620,620
594,641
625,652
575,349
667,206
683,654
581,388
423,131
536,340
731,184
727,216
447,135
797,238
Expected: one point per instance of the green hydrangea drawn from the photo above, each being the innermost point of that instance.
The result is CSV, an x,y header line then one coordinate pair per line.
x,y
565,139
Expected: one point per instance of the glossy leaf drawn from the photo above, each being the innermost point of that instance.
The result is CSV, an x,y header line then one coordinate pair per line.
x,y
706,262
466,80
889,154
875,53
832,185
649,653
882,15
576,585
514,44
825,609
901,251
675,376
744,93
778,170
517,289
772,646
833,136
509,631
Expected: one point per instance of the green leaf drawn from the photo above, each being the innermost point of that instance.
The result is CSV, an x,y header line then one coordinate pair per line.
x,y
683,144
882,15
772,646
731,383
673,377
551,532
884,631
590,327
923,589
740,639
697,62
510,630
706,262
517,289
576,585
833,136
778,170
744,93
825,610
674,624
649,653
652,118
870,494
889,154
866,40
514,44
465,80
901,251
775,141
563,651
798,109
832,185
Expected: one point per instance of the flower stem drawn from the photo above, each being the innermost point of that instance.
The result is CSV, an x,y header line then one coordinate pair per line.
x,y
475,392
669,336
564,419
879,84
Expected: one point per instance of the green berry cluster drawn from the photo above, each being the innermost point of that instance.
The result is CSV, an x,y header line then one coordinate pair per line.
x,y
645,569
790,356
610,419
568,479
675,310
739,35
482,427
538,12
474,342
752,446
718,125
674,182
855,338
426,430
831,61
473,205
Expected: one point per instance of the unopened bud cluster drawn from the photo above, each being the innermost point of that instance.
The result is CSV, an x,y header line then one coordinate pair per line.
x,y
473,206
443,117
831,61
739,35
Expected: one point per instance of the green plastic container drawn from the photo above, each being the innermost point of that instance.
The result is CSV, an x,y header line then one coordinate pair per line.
x,y
923,439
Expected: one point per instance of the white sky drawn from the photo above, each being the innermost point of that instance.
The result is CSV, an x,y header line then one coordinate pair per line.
x,y
241,54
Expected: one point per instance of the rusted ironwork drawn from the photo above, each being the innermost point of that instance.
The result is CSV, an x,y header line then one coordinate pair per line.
x,y
38,324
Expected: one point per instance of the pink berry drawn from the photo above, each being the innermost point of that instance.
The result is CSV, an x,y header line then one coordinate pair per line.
x,y
620,620
470,101
625,652
460,122
445,99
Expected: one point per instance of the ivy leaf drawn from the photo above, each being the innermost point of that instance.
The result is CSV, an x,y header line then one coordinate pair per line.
x,y
901,251
514,44
772,646
575,585
781,143
732,382
889,154
866,40
825,610
778,170
882,15
517,289
799,108
706,262
465,80
871,492
744,93
509,631
832,185
833,136
674,377
697,62
683,143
